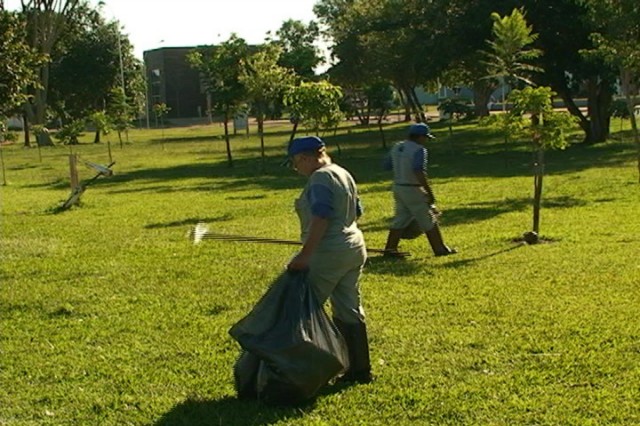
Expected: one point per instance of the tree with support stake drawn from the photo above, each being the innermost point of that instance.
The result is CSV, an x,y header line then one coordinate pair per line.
x,y
79,188
533,118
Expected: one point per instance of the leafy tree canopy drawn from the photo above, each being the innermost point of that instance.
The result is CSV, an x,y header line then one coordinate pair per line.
x,y
18,63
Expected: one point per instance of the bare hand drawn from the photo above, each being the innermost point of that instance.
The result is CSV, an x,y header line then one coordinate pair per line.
x,y
299,263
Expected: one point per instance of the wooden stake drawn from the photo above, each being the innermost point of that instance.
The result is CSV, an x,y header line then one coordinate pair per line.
x,y
73,171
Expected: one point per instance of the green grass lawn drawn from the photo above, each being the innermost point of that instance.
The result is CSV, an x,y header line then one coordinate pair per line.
x,y
110,316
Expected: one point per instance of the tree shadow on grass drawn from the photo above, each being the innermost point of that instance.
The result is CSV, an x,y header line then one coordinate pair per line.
x,y
189,221
477,153
466,262
477,212
228,411
485,210
378,225
187,139
474,157
245,174
400,267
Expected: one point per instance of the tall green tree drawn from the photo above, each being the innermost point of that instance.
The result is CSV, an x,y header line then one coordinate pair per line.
x,y
380,100
46,22
618,44
18,64
121,111
91,60
407,43
16,70
564,28
265,82
469,25
220,68
314,104
411,42
299,51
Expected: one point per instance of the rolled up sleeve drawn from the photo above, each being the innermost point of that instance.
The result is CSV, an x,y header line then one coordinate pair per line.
x,y
320,200
419,163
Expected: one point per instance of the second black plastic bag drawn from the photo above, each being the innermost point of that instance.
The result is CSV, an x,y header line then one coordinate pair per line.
x,y
298,347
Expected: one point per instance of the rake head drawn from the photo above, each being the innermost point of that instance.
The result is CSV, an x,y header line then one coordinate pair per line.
x,y
199,232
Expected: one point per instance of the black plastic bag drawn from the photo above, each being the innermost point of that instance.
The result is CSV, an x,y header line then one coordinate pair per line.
x,y
245,375
298,347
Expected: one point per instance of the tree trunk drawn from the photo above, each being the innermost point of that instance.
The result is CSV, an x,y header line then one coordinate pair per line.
x,y
361,117
599,110
45,22
634,126
96,138
261,132
109,150
481,97
293,131
226,139
27,136
4,170
337,143
573,109
405,102
41,95
596,123
537,189
628,89
384,140
420,116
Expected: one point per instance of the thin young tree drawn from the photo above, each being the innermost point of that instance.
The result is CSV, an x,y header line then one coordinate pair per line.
x,y
532,116
265,82
316,105
510,54
509,57
220,68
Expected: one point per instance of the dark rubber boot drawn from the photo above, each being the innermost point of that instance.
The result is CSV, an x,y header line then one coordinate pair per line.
x,y
437,244
393,239
355,335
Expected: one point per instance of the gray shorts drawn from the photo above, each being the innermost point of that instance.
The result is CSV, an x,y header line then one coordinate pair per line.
x,y
412,203
335,275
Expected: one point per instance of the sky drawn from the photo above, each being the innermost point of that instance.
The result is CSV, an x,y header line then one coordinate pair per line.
x,y
151,24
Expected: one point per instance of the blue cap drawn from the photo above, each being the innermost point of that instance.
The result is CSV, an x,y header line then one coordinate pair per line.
x,y
308,143
420,129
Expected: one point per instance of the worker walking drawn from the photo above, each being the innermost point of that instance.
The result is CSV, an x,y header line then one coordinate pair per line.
x,y
333,248
412,193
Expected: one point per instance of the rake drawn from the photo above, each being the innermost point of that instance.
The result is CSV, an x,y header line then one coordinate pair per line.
x,y
201,232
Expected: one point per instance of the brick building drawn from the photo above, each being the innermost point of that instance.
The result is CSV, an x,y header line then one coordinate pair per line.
x,y
171,80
